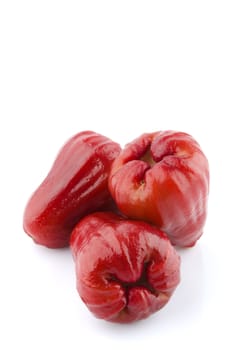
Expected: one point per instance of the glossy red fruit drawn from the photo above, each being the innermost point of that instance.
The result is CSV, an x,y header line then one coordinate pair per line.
x,y
125,269
163,178
76,185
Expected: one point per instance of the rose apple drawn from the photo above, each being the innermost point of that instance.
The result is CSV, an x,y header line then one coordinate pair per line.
x,y
163,178
125,269
76,185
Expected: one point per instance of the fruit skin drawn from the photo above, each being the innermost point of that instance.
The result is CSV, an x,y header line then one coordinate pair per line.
x,y
125,269
163,178
76,185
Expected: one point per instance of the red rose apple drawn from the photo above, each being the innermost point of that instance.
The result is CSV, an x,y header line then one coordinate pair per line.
x,y
125,269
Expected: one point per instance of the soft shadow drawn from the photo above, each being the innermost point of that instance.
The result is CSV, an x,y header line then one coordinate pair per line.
x,y
50,254
58,263
188,299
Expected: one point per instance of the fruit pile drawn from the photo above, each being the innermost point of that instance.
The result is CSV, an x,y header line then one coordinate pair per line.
x,y
122,211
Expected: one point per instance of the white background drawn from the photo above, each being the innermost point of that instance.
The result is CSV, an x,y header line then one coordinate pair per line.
x,y
120,68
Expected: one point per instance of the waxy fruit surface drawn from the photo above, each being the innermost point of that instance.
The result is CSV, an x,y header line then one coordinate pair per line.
x,y
126,269
163,178
76,185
